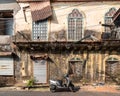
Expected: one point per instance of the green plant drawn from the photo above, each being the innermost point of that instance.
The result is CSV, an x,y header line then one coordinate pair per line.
x,y
31,82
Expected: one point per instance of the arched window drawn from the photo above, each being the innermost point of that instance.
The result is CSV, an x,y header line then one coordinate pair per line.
x,y
112,69
75,25
108,18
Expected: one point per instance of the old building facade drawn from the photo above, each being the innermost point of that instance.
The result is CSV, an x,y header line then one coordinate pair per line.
x,y
8,8
52,38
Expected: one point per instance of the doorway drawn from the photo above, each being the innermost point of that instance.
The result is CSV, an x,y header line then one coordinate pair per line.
x,y
40,71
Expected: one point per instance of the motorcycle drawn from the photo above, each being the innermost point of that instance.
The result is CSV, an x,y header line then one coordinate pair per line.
x,y
59,85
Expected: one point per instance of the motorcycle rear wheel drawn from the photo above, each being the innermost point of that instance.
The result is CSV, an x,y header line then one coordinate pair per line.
x,y
71,88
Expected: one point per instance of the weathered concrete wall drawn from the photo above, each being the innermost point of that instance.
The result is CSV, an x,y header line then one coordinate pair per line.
x,y
93,13
93,16
21,24
24,66
94,69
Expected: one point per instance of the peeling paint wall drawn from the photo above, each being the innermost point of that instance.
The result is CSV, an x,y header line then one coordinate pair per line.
x,y
93,16
93,13
23,22
94,70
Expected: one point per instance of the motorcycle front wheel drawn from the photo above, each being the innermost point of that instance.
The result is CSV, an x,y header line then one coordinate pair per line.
x,y
52,88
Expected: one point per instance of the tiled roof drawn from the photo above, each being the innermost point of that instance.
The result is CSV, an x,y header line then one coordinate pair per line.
x,y
116,14
116,18
40,10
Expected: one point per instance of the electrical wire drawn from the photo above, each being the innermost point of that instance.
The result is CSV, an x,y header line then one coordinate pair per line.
x,y
84,27
1,23
71,6
81,4
7,21
59,15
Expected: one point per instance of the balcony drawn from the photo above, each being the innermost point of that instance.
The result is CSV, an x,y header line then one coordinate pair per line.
x,y
5,43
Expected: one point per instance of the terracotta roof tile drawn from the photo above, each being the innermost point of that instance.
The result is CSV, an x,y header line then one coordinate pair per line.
x,y
40,10
116,18
116,14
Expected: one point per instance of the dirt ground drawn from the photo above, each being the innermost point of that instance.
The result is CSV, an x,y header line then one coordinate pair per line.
x,y
104,88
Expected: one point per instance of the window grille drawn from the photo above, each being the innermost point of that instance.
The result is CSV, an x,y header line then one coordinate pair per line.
x,y
75,25
40,30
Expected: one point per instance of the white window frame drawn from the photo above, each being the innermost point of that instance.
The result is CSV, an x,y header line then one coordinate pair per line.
x,y
39,33
75,19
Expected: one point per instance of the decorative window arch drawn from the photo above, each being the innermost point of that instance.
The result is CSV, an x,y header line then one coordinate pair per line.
x,y
108,18
110,59
75,25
